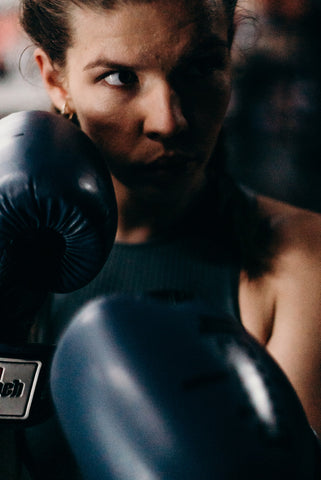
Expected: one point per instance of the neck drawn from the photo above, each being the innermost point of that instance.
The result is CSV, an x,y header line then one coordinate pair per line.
x,y
142,218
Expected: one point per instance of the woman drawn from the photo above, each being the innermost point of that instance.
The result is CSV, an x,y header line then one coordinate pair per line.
x,y
150,82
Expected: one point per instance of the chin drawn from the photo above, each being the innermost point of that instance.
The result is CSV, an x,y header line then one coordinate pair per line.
x,y
168,193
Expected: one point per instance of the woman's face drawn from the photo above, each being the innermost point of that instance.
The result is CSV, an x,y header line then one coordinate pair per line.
x,y
150,84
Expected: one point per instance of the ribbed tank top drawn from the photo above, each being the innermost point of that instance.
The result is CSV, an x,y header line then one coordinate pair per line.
x,y
178,269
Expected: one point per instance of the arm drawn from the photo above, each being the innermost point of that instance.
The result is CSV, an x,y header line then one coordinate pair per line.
x,y
283,309
296,335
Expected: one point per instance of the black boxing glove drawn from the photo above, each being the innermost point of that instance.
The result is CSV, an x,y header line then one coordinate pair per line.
x,y
175,393
57,225
57,204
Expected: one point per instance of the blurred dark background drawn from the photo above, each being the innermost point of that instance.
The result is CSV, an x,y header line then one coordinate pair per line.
x,y
274,120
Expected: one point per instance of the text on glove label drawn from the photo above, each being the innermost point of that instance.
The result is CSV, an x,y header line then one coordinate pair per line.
x,y
18,380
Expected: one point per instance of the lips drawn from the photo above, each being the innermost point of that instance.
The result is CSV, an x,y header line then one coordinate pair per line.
x,y
168,163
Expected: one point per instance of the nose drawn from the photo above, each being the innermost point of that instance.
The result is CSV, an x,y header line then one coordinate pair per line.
x,y
163,115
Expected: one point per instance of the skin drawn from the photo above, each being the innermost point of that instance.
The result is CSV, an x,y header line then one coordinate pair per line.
x,y
282,308
141,92
170,114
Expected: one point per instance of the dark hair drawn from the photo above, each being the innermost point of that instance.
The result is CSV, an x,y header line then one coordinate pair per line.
x,y
46,21
245,231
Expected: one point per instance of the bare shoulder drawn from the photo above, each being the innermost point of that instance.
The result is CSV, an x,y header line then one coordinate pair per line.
x,y
297,230
282,307
294,277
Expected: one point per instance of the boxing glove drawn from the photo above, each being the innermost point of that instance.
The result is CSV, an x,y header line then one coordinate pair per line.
x,y
57,225
57,204
164,392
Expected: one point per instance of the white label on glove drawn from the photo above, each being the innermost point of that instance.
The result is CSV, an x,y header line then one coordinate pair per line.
x,y
18,380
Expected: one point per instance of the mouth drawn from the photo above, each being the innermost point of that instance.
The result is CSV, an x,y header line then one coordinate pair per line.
x,y
169,164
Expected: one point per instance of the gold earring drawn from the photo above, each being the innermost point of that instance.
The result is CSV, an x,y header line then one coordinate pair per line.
x,y
65,111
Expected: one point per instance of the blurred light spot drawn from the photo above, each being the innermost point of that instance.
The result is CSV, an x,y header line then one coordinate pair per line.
x,y
254,385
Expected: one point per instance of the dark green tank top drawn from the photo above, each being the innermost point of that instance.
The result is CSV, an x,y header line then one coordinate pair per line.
x,y
181,269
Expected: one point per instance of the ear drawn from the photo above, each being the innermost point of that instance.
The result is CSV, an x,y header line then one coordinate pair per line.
x,y
53,79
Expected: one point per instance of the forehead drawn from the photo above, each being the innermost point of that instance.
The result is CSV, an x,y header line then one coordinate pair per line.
x,y
141,30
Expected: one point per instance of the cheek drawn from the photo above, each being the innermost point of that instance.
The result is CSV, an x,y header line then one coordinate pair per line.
x,y
104,117
218,97
210,120
210,110
210,102
112,131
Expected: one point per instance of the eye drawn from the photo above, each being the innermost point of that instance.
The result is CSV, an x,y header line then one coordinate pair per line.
x,y
121,78
204,67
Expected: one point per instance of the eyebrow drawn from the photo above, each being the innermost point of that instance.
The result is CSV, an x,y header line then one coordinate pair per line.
x,y
106,63
202,49
209,43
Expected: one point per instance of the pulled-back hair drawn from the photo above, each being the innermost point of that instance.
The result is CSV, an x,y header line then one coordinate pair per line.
x,y
47,21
